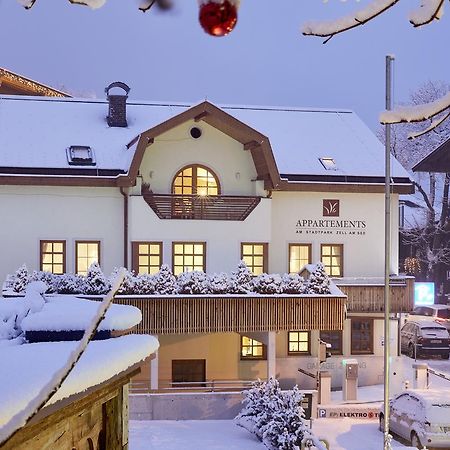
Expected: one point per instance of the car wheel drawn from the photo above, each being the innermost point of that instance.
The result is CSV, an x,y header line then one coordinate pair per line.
x,y
445,356
411,351
415,441
381,423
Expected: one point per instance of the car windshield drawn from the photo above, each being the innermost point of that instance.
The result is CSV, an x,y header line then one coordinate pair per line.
x,y
439,413
443,314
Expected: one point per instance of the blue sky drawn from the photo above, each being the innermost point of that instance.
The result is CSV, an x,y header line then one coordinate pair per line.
x,y
264,61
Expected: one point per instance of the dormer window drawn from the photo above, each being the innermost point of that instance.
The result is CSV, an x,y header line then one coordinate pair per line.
x,y
328,163
80,155
196,180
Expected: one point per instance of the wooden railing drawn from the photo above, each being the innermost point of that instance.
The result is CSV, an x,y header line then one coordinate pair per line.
x,y
369,297
217,314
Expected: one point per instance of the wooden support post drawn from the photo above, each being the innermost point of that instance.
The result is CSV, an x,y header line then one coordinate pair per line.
x,y
154,372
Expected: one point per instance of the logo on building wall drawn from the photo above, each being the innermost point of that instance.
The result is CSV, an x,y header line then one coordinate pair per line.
x,y
330,208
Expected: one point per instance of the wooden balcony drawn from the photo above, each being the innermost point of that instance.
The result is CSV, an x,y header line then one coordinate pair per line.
x,y
219,314
365,295
194,207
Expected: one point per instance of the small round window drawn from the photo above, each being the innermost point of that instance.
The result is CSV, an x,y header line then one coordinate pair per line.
x,y
195,132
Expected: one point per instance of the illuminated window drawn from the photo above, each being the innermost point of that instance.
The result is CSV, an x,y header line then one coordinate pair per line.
x,y
252,349
334,338
362,336
254,255
195,180
332,257
298,342
299,255
188,256
146,257
86,253
53,257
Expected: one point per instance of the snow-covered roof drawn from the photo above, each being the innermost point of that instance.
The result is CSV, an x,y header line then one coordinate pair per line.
x,y
101,362
35,133
66,312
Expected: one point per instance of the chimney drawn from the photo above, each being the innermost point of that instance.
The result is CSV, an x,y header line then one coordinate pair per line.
x,y
117,110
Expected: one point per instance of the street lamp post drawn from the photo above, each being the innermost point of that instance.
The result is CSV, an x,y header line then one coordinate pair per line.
x,y
387,252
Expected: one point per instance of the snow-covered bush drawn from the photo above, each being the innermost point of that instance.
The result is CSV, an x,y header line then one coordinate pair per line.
x,y
69,283
95,282
219,283
318,281
128,284
292,284
196,282
144,284
165,281
275,416
241,280
48,278
267,284
21,279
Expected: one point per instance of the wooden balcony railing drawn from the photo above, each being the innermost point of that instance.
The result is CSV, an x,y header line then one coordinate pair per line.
x,y
221,314
368,295
212,207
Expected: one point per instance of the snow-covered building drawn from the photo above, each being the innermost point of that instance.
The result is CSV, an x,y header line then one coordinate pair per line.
x,y
200,188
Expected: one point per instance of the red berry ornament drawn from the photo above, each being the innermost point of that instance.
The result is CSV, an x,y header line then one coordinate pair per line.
x,y
218,17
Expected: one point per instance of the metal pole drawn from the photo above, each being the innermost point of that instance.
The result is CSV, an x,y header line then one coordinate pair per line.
x,y
387,250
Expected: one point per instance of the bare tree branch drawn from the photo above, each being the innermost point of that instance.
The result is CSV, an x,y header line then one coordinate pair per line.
x,y
433,11
434,124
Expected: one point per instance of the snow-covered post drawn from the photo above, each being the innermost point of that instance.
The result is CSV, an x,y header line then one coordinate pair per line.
x,y
154,371
420,376
324,388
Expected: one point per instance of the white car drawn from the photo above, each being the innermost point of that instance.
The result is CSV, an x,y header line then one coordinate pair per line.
x,y
421,417
437,313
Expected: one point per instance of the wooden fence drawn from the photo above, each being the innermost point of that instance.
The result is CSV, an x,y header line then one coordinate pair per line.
x,y
216,314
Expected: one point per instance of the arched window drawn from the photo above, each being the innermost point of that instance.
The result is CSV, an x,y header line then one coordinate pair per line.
x,y
196,180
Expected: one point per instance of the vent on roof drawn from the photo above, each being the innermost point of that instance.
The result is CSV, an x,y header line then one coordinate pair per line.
x,y
328,163
80,155
117,111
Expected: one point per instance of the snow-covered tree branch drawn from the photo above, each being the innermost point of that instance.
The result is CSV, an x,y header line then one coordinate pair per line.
x,y
428,11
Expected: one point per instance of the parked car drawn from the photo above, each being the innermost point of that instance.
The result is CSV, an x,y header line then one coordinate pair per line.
x,y
438,313
420,416
424,338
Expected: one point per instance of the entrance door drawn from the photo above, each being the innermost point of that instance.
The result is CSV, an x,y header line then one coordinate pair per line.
x,y
189,370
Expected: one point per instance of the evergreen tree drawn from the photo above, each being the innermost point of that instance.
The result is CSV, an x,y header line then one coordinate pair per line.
x,y
128,284
144,284
196,282
292,284
95,282
165,281
318,281
267,284
21,279
48,278
241,280
68,283
219,283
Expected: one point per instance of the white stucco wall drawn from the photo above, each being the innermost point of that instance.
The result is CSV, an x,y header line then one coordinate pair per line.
x,y
31,214
176,148
363,251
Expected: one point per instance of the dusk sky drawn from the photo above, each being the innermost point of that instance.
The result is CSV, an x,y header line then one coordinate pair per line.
x,y
264,61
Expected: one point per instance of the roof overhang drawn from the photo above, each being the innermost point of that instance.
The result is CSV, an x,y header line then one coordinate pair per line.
x,y
437,161
256,143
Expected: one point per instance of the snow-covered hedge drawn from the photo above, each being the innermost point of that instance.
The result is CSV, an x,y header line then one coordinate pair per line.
x,y
164,282
276,416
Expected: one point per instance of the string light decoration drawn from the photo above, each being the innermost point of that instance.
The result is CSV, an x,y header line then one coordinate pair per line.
x,y
411,265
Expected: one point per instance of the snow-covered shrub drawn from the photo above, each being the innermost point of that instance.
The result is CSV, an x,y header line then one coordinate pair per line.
x,y
241,280
69,283
21,279
95,282
144,284
318,281
165,281
196,282
267,284
50,279
128,284
292,284
219,283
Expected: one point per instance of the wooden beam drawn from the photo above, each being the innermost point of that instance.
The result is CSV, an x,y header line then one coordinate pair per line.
x,y
251,145
200,116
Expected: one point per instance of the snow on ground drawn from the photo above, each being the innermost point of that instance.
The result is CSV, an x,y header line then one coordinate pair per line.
x,y
191,435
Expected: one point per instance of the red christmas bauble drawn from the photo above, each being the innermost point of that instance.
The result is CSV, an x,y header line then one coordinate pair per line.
x,y
218,18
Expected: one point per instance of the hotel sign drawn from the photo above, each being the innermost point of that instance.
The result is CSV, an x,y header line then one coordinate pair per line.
x,y
331,226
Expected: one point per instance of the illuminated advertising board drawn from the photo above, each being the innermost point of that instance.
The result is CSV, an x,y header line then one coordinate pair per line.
x,y
423,294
